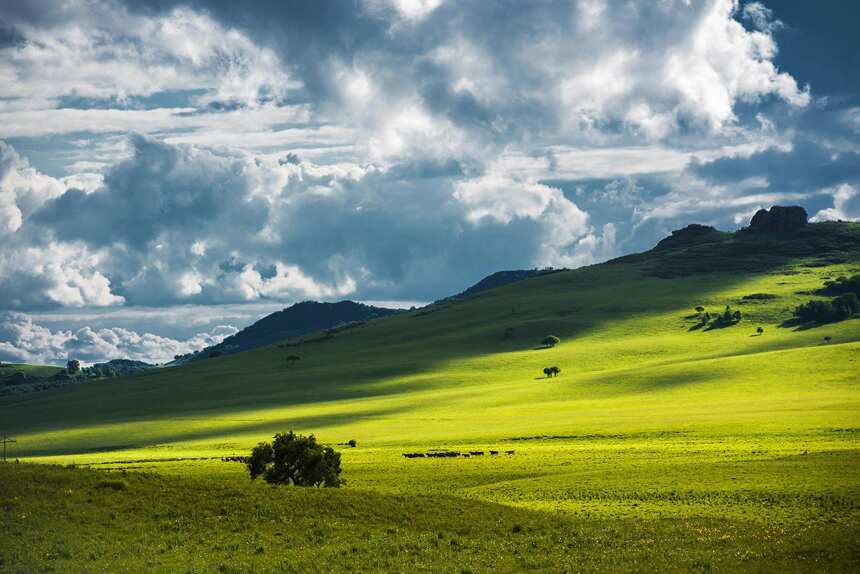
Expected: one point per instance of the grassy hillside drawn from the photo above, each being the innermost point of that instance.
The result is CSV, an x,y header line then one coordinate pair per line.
x,y
651,417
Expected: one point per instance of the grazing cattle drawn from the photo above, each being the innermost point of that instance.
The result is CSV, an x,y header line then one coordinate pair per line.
x,y
494,452
242,459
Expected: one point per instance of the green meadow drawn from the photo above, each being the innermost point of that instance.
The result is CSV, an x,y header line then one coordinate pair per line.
x,y
661,446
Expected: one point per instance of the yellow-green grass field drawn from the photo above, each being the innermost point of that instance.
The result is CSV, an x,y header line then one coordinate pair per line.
x,y
705,450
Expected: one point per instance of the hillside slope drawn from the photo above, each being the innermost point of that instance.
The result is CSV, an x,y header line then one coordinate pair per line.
x,y
654,415
624,329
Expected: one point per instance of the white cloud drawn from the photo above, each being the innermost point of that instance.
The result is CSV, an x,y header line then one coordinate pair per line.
x,y
409,10
846,205
23,340
499,199
110,53
58,273
22,189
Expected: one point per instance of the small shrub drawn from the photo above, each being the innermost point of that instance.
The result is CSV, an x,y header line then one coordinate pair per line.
x,y
352,443
550,341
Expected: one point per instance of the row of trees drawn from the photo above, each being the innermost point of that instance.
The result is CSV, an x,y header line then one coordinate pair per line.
x,y
837,309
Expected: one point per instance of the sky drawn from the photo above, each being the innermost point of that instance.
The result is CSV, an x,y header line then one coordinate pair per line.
x,y
170,171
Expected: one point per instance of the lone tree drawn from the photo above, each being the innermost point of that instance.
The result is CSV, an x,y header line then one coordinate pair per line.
x,y
291,359
551,371
760,330
73,366
295,459
700,309
550,341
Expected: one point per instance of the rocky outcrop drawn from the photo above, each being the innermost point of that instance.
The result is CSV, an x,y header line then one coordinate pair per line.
x,y
779,219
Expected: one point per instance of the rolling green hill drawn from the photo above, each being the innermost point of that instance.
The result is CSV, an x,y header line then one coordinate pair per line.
x,y
654,416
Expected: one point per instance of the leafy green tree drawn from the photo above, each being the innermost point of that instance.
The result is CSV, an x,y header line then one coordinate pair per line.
x,y
760,330
550,341
295,459
73,366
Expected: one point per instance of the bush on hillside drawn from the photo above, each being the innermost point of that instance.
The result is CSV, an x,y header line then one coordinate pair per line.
x,y
838,309
295,459
550,341
725,319
841,286
73,366
551,371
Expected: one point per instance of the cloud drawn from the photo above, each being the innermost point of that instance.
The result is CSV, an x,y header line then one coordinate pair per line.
x,y
22,340
22,189
381,149
107,52
51,275
179,224
846,205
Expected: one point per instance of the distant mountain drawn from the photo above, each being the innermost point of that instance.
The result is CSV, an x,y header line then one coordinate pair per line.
x,y
501,278
294,321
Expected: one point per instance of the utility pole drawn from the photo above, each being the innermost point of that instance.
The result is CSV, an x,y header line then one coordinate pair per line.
x,y
6,440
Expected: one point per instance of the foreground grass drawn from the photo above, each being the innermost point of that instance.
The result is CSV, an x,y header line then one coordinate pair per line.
x,y
73,520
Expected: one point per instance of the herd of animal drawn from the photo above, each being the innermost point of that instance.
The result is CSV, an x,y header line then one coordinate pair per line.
x,y
430,454
452,454
242,459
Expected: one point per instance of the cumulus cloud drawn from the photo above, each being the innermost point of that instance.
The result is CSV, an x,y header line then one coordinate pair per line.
x,y
23,340
22,189
846,205
181,224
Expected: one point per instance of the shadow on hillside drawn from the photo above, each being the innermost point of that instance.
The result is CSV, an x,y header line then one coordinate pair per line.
x,y
386,357
798,325
305,424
